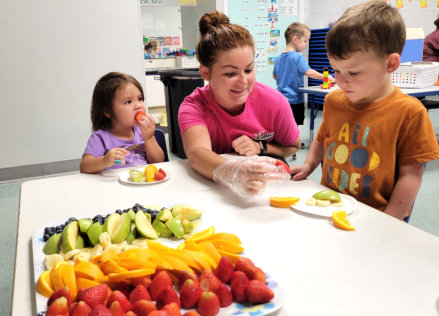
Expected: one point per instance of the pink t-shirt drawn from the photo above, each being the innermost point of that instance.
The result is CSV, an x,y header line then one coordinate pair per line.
x,y
267,116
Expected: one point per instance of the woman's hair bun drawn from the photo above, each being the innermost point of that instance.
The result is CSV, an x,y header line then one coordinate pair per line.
x,y
212,19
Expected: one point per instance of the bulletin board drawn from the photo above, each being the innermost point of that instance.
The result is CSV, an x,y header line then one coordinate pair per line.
x,y
267,21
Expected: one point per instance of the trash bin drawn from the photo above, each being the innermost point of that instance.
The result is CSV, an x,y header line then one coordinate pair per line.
x,y
179,83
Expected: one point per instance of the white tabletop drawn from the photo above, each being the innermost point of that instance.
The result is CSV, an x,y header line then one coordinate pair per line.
x,y
385,267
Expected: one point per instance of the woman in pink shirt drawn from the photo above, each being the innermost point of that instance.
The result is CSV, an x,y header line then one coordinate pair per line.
x,y
233,113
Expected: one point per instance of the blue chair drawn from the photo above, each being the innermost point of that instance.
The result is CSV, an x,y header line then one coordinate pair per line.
x,y
161,140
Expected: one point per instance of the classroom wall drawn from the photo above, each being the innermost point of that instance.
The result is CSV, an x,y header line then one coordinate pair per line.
x,y
53,52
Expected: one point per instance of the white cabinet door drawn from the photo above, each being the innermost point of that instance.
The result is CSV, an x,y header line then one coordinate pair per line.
x,y
154,91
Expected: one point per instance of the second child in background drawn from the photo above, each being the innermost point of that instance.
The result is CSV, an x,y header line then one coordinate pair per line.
x,y
291,67
118,138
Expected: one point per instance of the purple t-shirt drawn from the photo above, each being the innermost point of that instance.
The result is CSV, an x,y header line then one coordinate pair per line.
x,y
267,116
101,141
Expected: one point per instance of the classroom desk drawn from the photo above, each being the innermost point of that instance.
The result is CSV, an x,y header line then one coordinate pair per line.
x,y
384,267
317,91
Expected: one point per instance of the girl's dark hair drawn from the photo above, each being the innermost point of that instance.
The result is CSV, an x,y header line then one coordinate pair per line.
x,y
436,22
103,94
217,33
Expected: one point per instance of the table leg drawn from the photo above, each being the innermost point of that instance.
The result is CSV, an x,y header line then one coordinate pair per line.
x,y
312,117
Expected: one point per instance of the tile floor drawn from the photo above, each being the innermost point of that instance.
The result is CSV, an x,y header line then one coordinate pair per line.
x,y
425,215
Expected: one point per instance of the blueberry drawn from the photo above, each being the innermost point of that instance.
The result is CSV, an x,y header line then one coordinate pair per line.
x,y
46,230
119,212
46,237
135,208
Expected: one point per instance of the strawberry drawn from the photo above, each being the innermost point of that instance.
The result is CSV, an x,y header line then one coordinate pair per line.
x,y
124,287
158,176
162,171
172,308
100,310
209,304
98,294
224,270
72,307
81,309
145,281
116,309
167,296
130,313
245,265
58,307
118,296
283,164
237,286
140,116
224,295
59,293
143,307
160,282
258,293
191,313
184,275
139,293
190,293
159,313
258,274
208,281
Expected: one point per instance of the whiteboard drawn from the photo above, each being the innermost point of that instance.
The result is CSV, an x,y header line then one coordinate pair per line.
x,y
52,53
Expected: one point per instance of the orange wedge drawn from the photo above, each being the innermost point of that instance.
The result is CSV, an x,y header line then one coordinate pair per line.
x,y
203,235
210,249
283,201
69,279
233,257
227,237
339,220
227,246
87,270
82,283
130,274
44,284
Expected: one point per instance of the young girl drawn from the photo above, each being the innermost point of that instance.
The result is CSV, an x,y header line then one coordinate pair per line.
x,y
118,139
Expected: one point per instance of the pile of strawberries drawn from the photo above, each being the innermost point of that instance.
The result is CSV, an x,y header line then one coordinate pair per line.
x,y
157,296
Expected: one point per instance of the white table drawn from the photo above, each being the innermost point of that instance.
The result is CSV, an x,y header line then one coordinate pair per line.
x,y
314,91
385,267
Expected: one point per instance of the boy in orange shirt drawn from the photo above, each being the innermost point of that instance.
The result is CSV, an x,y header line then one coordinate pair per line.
x,y
374,139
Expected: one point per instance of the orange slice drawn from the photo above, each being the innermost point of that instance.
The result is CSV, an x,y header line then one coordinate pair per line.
x,y
226,246
283,201
203,235
82,283
339,220
44,284
87,270
227,237
130,274
69,279
210,249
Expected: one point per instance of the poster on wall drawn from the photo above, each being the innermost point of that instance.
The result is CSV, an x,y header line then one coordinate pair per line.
x,y
267,21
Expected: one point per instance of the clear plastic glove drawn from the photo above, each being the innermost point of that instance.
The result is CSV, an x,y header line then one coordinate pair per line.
x,y
249,176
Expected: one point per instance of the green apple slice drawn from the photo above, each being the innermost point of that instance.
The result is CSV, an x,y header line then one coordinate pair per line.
x,y
186,211
132,234
144,226
176,227
93,233
80,242
161,229
330,195
164,215
84,224
118,227
52,245
69,237
132,214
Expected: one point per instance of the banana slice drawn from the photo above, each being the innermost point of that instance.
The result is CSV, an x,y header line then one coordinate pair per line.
x,y
323,203
70,254
338,204
51,260
97,250
128,247
121,245
311,201
140,242
105,240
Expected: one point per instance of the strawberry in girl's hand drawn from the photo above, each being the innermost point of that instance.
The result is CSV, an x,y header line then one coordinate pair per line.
x,y
190,293
140,116
258,293
58,307
224,295
139,293
224,270
209,281
209,304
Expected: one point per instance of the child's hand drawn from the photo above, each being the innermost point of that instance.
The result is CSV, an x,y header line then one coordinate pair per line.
x,y
147,127
331,79
300,172
115,156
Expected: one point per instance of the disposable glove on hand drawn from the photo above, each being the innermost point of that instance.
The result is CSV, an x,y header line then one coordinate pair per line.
x,y
248,176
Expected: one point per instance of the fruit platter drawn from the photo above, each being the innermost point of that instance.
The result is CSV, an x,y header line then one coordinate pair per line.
x,y
147,261
145,175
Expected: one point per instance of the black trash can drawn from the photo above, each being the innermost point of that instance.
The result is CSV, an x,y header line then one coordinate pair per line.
x,y
179,83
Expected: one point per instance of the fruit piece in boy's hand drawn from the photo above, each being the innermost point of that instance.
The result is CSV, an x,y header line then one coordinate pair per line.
x,y
140,116
283,164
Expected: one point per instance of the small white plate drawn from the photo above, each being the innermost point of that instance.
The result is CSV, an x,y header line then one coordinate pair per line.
x,y
125,177
350,204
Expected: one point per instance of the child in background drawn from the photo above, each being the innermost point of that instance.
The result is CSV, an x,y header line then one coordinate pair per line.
x,y
291,66
118,138
374,140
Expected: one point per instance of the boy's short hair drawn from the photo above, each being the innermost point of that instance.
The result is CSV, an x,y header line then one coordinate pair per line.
x,y
296,29
373,25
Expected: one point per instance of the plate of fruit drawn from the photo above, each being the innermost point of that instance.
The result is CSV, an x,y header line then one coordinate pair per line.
x,y
145,175
140,273
325,202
